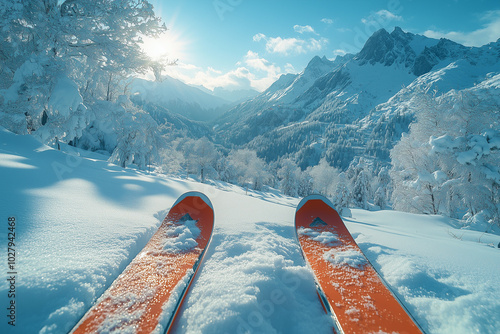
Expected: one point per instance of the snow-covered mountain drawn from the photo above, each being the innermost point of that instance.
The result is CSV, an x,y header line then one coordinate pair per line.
x,y
332,108
180,98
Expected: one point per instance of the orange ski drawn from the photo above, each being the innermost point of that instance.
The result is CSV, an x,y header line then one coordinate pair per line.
x,y
348,285
147,296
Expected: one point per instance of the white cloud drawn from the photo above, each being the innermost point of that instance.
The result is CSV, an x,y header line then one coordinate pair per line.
x,y
187,66
381,18
327,21
253,60
317,44
271,71
213,70
252,71
239,78
489,33
285,46
388,15
290,46
258,37
339,52
304,29
289,68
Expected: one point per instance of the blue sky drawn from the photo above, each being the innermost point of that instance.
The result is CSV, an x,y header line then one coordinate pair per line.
x,y
240,44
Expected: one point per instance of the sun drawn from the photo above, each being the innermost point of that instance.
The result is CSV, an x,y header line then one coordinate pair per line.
x,y
167,46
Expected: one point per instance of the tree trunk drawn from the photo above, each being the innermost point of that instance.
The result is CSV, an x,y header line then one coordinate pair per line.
x,y
108,93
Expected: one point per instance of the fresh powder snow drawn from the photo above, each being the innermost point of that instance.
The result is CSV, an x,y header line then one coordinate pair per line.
x,y
80,221
181,238
325,237
349,256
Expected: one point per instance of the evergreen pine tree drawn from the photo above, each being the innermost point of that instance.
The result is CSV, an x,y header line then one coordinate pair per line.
x,y
361,190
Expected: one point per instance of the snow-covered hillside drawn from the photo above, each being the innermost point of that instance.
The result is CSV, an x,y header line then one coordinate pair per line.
x,y
80,220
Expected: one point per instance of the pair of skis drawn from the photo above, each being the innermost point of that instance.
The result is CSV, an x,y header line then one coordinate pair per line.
x,y
147,296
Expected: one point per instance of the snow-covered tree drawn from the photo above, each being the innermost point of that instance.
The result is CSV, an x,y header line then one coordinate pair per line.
x,y
342,196
380,198
383,188
292,180
170,161
202,156
289,174
305,184
324,178
138,138
248,169
59,57
361,190
223,169
383,177
108,35
355,167
449,162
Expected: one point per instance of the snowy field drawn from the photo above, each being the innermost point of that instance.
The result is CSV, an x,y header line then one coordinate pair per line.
x,y
79,221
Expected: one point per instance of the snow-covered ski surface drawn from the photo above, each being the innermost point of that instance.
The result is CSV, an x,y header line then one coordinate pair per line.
x,y
146,297
350,289
80,221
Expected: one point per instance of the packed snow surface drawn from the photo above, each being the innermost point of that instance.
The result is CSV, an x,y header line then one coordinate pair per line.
x,y
80,221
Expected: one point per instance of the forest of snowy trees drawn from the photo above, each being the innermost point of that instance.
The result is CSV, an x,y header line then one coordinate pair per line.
x,y
66,68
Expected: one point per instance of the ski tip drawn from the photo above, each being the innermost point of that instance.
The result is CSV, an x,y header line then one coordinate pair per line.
x,y
201,195
315,197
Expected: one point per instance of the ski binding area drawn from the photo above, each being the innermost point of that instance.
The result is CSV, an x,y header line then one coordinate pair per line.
x,y
81,222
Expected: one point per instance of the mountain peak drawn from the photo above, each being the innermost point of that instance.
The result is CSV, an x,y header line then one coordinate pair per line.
x,y
318,66
401,35
318,61
376,47
398,30
399,47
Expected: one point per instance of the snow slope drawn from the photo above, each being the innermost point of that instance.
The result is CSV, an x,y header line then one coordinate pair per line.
x,y
80,221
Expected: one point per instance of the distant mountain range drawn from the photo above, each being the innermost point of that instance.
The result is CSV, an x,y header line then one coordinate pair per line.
x,y
353,106
194,103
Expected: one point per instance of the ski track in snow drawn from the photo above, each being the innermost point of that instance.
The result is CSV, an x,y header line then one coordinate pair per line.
x,y
80,221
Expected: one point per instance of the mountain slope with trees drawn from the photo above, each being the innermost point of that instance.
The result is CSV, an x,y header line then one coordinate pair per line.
x,y
355,106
